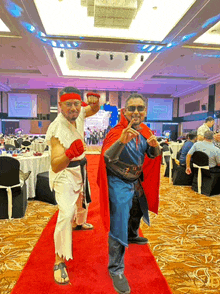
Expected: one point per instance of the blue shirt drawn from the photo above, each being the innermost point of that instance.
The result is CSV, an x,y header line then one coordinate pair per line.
x,y
135,155
207,147
185,149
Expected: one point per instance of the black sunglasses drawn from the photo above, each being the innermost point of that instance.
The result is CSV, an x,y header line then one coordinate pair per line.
x,y
133,108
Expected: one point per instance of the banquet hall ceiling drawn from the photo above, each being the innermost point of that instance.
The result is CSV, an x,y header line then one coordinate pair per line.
x,y
158,48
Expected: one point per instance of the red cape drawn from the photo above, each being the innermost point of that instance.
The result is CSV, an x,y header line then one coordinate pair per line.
x,y
151,171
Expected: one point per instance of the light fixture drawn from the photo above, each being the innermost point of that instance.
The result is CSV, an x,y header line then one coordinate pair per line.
x,y
159,48
78,54
142,58
61,53
111,56
97,55
145,47
151,48
126,57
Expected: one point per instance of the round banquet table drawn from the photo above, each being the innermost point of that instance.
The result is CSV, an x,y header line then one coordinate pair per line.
x,y
36,164
38,146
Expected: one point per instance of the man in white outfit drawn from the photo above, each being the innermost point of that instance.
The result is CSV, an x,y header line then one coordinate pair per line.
x,y
67,173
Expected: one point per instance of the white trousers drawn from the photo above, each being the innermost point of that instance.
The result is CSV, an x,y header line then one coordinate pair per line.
x,y
70,207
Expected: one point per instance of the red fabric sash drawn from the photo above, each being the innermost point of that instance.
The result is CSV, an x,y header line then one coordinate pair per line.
x,y
151,171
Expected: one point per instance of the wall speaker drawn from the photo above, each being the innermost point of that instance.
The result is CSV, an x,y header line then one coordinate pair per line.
x,y
204,107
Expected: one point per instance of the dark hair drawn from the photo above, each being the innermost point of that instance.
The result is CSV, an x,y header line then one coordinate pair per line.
x,y
192,135
209,118
209,135
69,90
134,96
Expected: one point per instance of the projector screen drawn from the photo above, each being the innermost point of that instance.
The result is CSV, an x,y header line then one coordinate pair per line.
x,y
159,109
22,105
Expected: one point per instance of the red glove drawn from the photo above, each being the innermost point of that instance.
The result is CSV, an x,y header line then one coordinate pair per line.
x,y
75,150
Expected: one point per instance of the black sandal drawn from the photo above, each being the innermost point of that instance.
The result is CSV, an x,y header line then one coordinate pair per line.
x,y
64,275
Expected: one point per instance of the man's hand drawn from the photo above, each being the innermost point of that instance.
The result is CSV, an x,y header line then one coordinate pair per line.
x,y
75,149
92,100
188,171
217,137
128,134
152,141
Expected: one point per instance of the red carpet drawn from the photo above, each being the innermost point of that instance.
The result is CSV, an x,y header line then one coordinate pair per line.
x,y
88,270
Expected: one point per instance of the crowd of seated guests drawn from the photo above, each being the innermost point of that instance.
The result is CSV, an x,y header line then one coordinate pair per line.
x,y
207,147
183,171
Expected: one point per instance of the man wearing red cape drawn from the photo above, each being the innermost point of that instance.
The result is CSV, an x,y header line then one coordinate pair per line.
x,y
129,172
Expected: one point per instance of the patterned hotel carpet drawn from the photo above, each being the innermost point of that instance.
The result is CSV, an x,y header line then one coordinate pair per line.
x,y
184,238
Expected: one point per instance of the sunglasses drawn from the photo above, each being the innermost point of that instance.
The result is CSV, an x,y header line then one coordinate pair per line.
x,y
139,108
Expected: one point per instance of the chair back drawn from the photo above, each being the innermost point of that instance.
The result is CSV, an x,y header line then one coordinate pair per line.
x,y
25,143
8,146
201,161
9,171
17,145
200,158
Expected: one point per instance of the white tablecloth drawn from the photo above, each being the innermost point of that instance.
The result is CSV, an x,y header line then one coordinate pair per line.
x,y
36,164
37,146
175,146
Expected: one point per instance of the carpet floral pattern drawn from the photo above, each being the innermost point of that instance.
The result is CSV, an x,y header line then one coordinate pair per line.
x,y
184,238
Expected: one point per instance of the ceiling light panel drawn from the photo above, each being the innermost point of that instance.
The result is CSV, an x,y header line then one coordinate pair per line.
x,y
212,36
3,27
88,66
74,21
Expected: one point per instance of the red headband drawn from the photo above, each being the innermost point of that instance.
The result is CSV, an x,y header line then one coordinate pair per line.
x,y
69,96
93,94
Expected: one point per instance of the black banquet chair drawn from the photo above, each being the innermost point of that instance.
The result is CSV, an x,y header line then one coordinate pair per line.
x,y
13,197
204,181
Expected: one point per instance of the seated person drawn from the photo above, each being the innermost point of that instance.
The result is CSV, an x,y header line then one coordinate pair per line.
x,y
207,147
192,137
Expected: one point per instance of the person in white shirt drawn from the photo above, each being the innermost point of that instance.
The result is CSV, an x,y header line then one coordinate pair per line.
x,y
67,174
209,122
